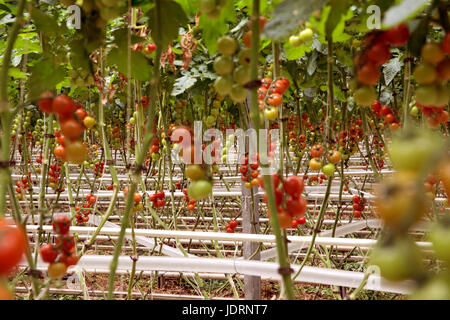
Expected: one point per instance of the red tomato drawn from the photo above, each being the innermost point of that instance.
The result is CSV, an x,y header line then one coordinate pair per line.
x,y
368,74
296,206
48,253
45,104
71,129
63,105
61,224
397,36
12,246
294,185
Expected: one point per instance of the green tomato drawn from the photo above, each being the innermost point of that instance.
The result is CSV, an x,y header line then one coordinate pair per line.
x,y
226,45
200,189
414,111
238,93
223,65
440,237
328,169
223,85
437,288
155,156
399,260
413,151
244,56
364,96
241,74
295,41
306,35
271,113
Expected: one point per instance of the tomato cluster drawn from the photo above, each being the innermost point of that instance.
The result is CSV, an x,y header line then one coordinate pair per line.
x,y
157,199
73,120
229,228
390,116
60,255
82,216
231,78
376,52
270,96
22,185
359,203
432,75
54,175
98,170
290,203
249,172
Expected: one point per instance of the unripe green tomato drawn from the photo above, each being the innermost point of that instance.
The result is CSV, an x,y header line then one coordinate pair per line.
x,y
226,45
132,120
295,40
414,111
238,93
223,65
296,159
224,158
291,149
328,169
85,163
306,35
155,156
225,150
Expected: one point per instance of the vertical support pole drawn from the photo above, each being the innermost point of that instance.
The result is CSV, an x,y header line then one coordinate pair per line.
x,y
250,224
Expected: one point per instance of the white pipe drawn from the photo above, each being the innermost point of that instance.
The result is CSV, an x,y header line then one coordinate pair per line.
x,y
266,270
238,237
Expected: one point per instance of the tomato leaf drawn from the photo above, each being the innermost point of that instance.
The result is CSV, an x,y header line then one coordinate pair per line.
x,y
403,11
288,15
46,23
45,75
140,66
171,18
183,83
391,69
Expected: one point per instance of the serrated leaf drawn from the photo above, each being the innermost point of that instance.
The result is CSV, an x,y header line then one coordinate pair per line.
x,y
183,83
391,69
403,11
171,17
288,15
45,75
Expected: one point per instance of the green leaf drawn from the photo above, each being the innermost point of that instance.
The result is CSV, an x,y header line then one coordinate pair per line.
x,y
403,11
17,74
45,75
46,23
338,8
140,66
171,17
339,94
391,69
213,29
294,53
288,15
183,83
